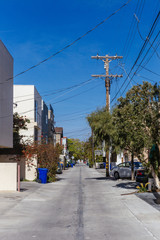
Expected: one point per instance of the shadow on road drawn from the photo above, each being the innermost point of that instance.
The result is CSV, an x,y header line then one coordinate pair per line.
x,y
60,179
126,185
101,178
23,189
157,196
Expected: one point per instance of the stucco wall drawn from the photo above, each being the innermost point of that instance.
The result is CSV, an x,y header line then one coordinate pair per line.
x,y
8,176
31,170
24,97
28,170
6,97
58,138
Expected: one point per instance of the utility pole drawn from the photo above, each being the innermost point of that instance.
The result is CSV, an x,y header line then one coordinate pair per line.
x,y
93,157
107,59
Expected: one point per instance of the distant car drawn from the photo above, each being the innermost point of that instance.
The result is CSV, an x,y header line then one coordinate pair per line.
x,y
142,176
100,165
123,170
59,168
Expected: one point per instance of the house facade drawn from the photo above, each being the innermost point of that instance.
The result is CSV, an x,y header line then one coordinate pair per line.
x,y
29,104
59,135
6,98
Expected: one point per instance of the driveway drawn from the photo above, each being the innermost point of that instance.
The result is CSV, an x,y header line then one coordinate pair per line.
x,y
82,205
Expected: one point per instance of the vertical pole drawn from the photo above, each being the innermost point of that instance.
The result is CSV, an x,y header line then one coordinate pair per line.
x,y
106,61
19,177
93,159
107,85
132,166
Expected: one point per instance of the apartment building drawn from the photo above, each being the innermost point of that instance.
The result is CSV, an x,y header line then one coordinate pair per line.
x,y
29,104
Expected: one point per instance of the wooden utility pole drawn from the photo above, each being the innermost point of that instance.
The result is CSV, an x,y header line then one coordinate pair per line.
x,y
93,157
107,59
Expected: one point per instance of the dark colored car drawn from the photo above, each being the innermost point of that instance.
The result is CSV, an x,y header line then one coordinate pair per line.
x,y
142,176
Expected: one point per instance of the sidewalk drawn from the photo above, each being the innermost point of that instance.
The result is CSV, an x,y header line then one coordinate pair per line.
x,y
151,198
144,207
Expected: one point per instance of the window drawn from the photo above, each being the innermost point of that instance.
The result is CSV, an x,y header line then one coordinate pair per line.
x,y
138,164
128,164
121,165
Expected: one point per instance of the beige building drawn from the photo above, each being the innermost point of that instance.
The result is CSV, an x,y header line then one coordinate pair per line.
x,y
59,135
6,98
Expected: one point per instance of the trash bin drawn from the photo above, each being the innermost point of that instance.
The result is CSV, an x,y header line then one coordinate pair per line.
x,y
71,164
43,175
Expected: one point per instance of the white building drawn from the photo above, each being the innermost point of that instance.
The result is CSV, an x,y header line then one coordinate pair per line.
x,y
6,98
29,104
64,144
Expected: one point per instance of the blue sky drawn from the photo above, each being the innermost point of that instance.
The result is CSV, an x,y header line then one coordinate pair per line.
x,y
33,30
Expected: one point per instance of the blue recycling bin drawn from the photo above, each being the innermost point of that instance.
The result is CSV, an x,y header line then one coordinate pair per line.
x,y
43,175
104,164
71,164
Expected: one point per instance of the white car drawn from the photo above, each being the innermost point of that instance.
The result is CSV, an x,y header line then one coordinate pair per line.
x,y
123,170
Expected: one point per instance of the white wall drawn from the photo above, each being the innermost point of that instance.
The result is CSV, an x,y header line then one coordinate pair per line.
x,y
119,158
8,176
28,169
24,98
6,97
11,158
31,169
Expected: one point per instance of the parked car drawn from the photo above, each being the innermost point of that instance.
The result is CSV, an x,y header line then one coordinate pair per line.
x,y
59,168
142,176
123,170
99,165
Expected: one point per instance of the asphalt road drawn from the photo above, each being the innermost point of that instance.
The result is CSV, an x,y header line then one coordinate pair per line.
x,y
82,205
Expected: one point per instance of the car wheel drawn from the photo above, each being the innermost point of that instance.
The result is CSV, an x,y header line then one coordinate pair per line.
x,y
116,175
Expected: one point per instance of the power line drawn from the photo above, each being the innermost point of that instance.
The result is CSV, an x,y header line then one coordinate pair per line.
x,y
130,37
140,63
72,43
148,50
125,48
85,135
71,119
139,55
149,70
145,78
70,114
76,94
83,129
146,38
53,103
78,86
155,51
68,88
